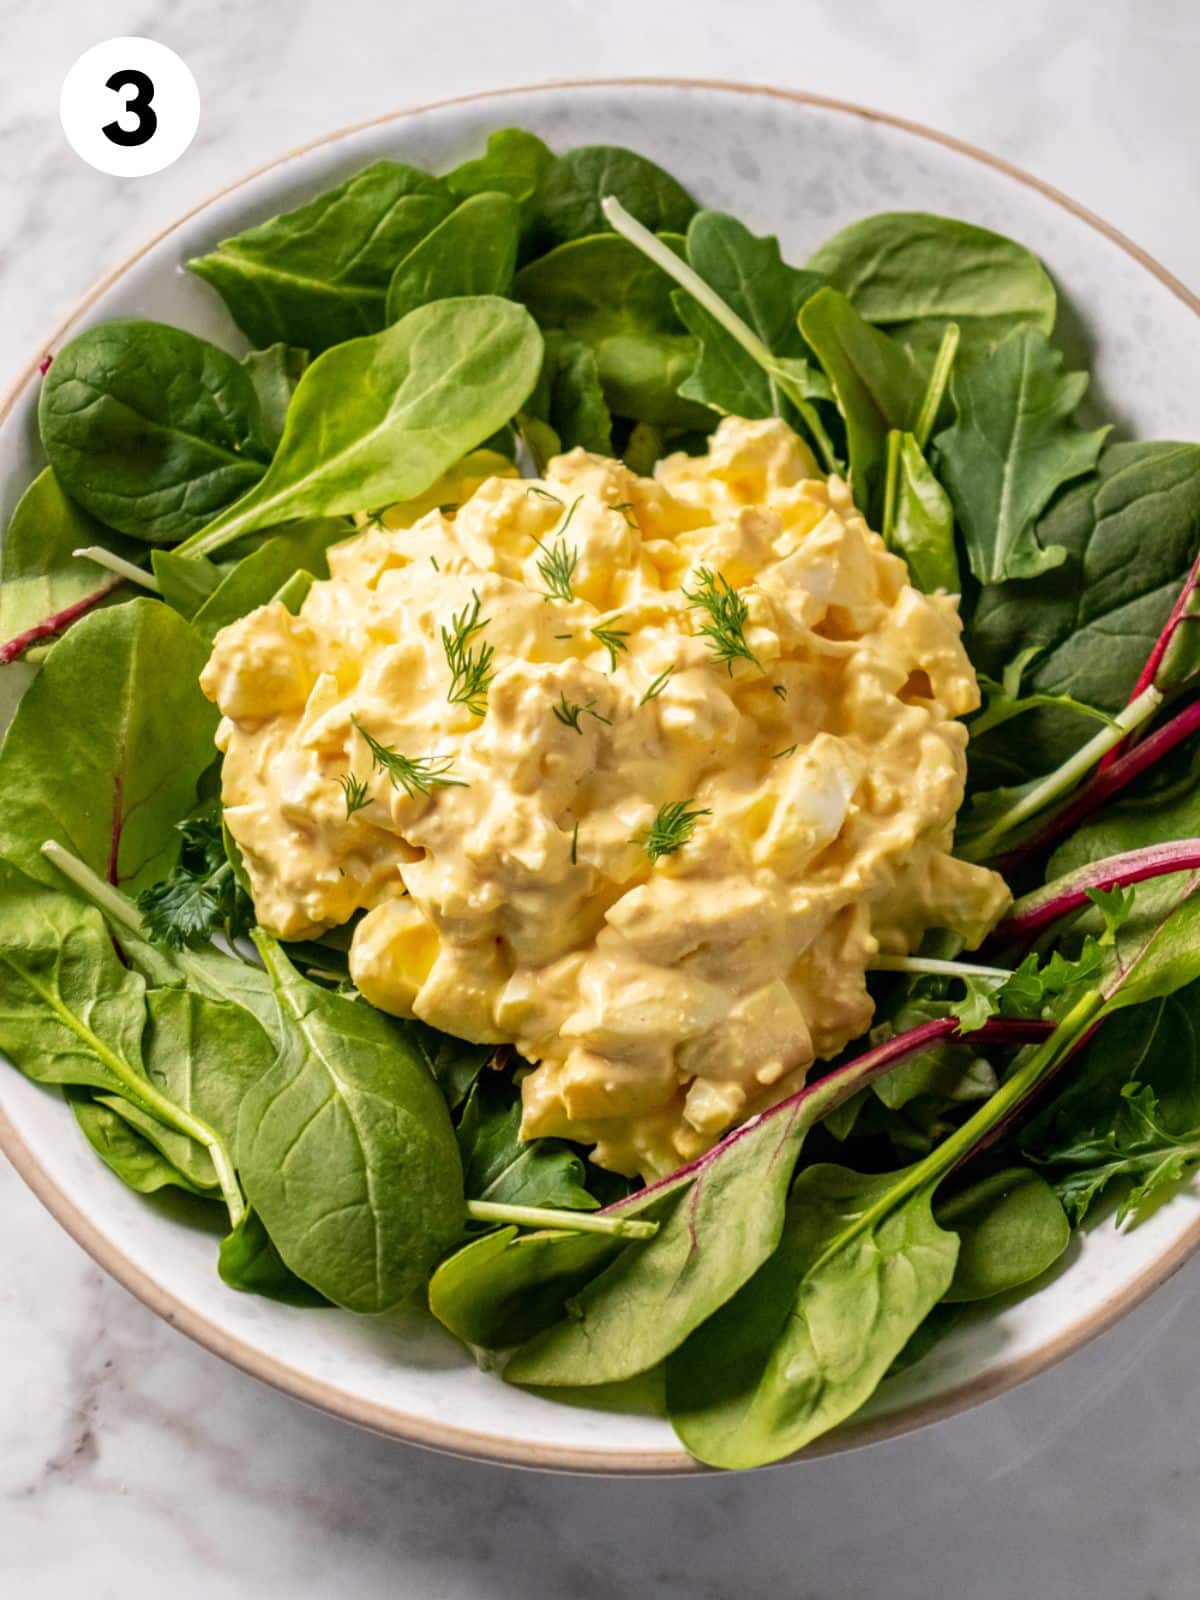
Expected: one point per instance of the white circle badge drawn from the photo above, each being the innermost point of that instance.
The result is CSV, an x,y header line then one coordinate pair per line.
x,y
129,107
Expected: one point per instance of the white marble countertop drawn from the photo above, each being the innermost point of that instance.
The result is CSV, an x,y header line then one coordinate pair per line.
x,y
131,1460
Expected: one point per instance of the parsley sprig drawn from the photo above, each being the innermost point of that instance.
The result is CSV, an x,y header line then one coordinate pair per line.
x,y
470,666
671,829
414,774
201,895
725,629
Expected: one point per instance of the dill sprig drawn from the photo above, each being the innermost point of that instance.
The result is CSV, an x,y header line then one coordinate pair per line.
x,y
414,774
559,559
569,712
671,829
575,845
356,792
470,667
725,629
657,687
544,494
611,637
627,510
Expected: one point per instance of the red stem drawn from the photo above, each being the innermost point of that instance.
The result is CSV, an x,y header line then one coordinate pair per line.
x,y
852,1076
57,622
1070,893
1155,659
1103,784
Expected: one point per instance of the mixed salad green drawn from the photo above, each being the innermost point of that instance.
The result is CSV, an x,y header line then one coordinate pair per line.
x,y
531,302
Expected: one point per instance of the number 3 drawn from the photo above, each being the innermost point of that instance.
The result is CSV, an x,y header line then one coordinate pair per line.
x,y
138,103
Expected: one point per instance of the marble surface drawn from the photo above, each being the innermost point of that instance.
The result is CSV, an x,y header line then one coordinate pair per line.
x,y
129,1459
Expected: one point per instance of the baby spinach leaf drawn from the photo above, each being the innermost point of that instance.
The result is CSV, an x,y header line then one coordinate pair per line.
x,y
123,1150
751,276
275,372
922,528
1130,533
151,429
568,403
185,582
250,1262
119,697
1011,1228
514,164
204,1055
259,576
378,419
346,1148
606,293
473,251
809,1337
503,1288
912,273
1012,445
191,1161
497,1165
39,574
318,276
455,1064
567,203
874,381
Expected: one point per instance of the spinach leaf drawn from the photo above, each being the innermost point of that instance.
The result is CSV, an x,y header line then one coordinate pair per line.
x,y
275,372
497,1165
119,697
567,407
503,1288
473,251
39,574
1130,533
922,526
874,382
378,419
751,276
151,429
515,164
259,576
191,1161
185,582
318,276
606,293
346,1149
810,1336
135,1160
454,1064
567,203
912,273
1011,446
1011,1228
248,1261
1130,1112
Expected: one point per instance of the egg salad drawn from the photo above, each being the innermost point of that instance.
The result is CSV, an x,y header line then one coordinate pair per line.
x,y
635,775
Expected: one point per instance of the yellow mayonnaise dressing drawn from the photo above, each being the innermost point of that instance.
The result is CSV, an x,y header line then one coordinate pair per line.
x,y
660,1002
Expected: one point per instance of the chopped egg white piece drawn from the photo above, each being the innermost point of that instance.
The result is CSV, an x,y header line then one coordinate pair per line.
x,y
501,858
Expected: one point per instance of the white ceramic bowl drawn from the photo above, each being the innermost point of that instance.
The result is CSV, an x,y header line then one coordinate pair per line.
x,y
787,164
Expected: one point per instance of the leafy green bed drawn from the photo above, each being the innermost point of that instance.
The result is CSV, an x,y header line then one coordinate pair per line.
x,y
531,302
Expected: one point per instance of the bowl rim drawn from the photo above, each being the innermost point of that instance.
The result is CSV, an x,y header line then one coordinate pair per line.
x,y
388,1420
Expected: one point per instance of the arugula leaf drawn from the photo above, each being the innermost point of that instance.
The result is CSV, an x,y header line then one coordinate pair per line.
x,y
514,164
120,692
151,429
275,373
39,574
318,276
1011,1228
874,382
604,292
378,419
346,1150
1130,533
567,203
472,251
751,276
1004,700
1011,446
498,1166
912,273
